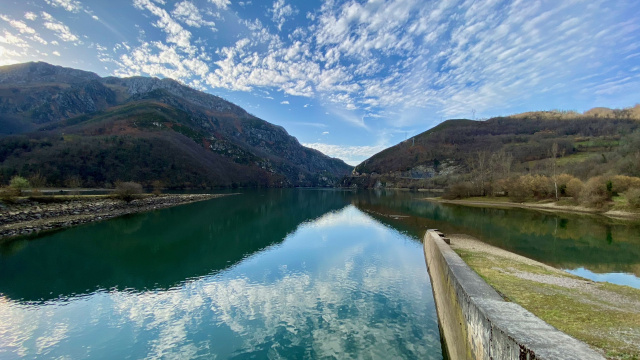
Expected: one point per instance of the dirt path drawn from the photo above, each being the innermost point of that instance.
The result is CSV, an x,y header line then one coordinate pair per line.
x,y
603,315
29,217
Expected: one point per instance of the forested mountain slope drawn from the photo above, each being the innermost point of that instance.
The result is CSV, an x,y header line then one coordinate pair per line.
x,y
594,143
72,125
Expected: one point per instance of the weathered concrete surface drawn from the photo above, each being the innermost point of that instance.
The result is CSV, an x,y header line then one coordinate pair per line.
x,y
478,324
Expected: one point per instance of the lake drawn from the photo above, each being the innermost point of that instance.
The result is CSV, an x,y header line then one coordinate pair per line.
x,y
291,273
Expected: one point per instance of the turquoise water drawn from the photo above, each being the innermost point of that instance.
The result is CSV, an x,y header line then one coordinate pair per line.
x,y
272,274
294,273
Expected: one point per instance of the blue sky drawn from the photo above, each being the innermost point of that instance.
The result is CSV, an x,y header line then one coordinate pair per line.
x,y
350,78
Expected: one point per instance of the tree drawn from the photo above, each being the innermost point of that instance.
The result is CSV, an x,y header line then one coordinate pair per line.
x,y
127,190
554,166
479,165
158,185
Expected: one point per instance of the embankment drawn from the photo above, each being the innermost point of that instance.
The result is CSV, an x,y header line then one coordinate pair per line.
x,y
552,207
29,217
478,323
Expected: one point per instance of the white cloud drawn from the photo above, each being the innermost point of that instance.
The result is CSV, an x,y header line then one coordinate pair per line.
x,y
284,102
30,16
352,155
61,30
69,5
325,133
280,12
222,4
18,25
175,32
56,53
189,14
11,39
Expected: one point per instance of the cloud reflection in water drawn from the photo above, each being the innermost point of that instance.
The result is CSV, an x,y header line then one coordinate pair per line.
x,y
340,286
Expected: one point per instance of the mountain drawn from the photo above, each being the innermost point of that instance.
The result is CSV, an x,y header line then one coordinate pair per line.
x,y
599,141
72,125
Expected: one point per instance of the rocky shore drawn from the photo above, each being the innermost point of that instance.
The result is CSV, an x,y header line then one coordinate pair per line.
x,y
30,217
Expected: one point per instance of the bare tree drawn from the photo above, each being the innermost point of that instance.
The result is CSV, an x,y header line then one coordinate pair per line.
x,y
554,167
479,167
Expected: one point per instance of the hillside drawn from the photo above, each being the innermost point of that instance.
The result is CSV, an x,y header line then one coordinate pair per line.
x,y
73,126
597,142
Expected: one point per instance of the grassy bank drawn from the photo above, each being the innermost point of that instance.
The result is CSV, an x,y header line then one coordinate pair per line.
x,y
618,209
603,315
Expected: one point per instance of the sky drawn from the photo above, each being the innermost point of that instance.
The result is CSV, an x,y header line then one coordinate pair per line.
x,y
350,77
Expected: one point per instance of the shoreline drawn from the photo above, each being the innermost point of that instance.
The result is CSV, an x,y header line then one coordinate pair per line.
x,y
32,217
551,207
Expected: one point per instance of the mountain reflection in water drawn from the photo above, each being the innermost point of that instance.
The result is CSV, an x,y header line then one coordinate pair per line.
x,y
307,276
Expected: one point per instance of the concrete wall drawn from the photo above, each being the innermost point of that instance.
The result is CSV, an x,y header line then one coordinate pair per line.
x,y
478,324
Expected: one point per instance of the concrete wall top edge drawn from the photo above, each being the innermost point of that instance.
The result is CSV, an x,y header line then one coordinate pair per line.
x,y
512,320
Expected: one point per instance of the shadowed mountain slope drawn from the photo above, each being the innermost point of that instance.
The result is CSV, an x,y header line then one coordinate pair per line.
x,y
71,124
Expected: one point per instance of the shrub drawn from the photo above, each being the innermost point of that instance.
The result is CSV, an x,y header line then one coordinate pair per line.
x,y
594,193
520,188
622,183
127,190
563,182
19,183
633,197
459,191
574,188
157,187
541,186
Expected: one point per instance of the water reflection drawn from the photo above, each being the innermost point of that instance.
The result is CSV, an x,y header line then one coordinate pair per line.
x,y
342,285
568,241
158,249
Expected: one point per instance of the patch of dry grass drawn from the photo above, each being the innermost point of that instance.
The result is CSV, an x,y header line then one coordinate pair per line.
x,y
605,316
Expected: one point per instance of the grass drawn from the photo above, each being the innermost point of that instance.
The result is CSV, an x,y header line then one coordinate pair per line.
x,y
596,313
575,158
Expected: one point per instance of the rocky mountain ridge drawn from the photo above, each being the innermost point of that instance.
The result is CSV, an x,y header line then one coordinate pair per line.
x,y
41,102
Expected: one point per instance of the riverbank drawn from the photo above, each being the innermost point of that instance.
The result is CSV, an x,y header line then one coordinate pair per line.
x,y
547,206
603,315
27,217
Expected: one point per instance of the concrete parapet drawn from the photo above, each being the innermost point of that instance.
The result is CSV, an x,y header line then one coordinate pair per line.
x,y
478,324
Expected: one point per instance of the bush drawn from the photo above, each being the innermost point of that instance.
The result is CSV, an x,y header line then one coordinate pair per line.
x,y
19,183
459,191
157,187
633,197
622,183
574,188
594,192
563,182
127,190
520,189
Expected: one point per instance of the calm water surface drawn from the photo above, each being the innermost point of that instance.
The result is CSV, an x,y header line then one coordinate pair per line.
x,y
270,274
595,247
